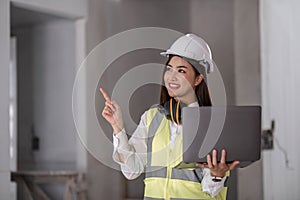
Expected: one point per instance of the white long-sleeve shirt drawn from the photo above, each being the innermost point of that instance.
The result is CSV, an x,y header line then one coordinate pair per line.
x,y
132,154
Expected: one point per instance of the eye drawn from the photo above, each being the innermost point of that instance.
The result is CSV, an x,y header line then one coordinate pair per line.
x,y
181,71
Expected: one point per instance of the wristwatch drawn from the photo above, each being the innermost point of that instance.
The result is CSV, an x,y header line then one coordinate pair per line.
x,y
216,179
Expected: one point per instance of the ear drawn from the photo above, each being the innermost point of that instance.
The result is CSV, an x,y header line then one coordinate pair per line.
x,y
198,80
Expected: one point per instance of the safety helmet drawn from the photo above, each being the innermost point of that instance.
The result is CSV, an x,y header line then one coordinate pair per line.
x,y
193,48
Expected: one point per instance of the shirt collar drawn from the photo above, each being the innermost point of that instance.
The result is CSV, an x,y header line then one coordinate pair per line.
x,y
194,104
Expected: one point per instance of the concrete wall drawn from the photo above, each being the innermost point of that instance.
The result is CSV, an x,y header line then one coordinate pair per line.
x,y
4,99
280,96
214,21
25,92
247,84
53,82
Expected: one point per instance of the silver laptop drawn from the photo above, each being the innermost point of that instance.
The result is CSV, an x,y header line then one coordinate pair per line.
x,y
237,129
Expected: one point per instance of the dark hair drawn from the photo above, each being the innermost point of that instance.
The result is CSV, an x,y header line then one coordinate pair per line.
x,y
201,90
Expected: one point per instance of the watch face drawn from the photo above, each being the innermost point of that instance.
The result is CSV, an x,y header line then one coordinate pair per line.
x,y
217,179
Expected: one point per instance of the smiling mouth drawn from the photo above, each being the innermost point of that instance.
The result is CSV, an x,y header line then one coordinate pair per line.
x,y
173,86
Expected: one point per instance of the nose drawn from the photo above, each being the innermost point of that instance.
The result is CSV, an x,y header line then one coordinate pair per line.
x,y
172,74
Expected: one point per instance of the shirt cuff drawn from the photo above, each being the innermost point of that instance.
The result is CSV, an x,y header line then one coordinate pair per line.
x,y
211,187
121,146
120,141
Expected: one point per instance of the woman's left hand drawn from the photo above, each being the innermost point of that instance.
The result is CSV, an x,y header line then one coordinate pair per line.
x,y
218,169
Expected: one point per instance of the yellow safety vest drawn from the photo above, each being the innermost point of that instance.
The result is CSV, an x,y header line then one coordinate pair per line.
x,y
164,180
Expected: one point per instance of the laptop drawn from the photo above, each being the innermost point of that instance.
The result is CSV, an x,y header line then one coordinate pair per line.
x,y
237,129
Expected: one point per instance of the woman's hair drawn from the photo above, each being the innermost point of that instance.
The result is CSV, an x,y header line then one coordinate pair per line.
x,y
201,90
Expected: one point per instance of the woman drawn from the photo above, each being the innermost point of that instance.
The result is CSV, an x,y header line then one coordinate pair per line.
x,y
156,145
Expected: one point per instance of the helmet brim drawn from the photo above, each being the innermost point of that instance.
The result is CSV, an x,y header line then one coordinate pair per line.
x,y
169,52
208,66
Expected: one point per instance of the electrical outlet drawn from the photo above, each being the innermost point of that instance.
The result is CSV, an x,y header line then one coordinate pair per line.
x,y
35,143
267,137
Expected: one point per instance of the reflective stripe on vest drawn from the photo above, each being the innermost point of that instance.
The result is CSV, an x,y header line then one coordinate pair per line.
x,y
163,180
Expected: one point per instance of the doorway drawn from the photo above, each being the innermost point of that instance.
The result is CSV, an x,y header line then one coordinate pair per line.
x,y
46,63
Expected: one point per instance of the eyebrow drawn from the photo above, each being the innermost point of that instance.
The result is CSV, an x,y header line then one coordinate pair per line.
x,y
177,66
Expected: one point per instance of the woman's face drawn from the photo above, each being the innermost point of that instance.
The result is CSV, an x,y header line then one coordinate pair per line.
x,y
180,80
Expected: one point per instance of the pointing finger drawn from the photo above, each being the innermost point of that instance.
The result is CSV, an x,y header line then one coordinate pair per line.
x,y
105,95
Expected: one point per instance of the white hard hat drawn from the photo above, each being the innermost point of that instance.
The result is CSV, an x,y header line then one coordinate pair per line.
x,y
193,48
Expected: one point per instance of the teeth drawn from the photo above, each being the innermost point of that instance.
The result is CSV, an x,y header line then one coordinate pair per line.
x,y
173,85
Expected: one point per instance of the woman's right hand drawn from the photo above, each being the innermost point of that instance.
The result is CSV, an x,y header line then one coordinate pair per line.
x,y
112,113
